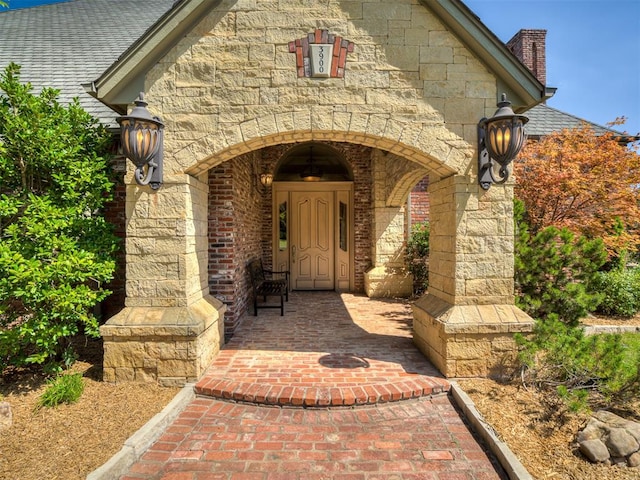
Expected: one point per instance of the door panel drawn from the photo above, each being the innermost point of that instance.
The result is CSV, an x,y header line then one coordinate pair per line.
x,y
312,234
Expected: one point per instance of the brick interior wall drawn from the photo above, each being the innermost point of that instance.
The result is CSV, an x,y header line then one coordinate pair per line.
x,y
235,226
115,214
269,160
420,202
359,158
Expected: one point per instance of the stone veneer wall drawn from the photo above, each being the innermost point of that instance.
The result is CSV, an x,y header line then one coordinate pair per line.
x,y
170,329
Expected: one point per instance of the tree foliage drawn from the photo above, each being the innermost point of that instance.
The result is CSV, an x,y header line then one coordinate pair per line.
x,y
554,270
56,250
585,182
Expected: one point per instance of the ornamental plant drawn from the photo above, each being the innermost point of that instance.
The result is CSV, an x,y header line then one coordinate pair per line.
x,y
66,388
584,182
554,271
56,249
417,255
585,370
620,290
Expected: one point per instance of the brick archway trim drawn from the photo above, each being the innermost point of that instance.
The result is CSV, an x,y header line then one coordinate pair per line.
x,y
432,146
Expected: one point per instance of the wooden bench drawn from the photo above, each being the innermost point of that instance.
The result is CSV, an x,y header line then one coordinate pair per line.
x,y
277,285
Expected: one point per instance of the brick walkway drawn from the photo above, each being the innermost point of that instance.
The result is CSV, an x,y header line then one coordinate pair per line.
x,y
349,358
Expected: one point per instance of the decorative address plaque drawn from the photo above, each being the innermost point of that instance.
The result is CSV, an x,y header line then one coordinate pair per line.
x,y
321,54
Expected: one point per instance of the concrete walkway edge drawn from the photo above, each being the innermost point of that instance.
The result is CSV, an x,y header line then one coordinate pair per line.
x,y
138,443
510,463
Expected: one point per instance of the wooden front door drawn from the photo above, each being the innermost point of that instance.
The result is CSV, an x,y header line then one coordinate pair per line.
x,y
312,241
313,234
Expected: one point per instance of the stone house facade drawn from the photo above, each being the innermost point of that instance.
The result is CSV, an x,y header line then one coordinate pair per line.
x,y
240,90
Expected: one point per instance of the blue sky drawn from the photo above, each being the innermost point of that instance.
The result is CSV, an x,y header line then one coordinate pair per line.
x,y
593,51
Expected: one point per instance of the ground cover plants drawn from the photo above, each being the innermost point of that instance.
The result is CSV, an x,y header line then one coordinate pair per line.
x,y
62,389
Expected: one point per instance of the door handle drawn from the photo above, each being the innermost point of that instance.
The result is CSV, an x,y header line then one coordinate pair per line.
x,y
293,254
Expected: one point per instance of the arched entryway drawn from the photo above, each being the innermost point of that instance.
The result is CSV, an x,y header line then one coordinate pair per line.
x,y
313,231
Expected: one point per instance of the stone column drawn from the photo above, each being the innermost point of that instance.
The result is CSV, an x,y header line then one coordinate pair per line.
x,y
389,276
466,321
170,328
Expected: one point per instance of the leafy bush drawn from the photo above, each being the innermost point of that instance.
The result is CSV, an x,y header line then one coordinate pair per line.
x,y
554,270
621,292
598,368
417,255
56,250
62,389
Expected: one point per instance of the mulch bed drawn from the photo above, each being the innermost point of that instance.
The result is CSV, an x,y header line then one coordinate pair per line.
x,y
70,441
540,431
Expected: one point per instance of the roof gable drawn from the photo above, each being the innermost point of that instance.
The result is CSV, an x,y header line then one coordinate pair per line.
x,y
120,83
108,46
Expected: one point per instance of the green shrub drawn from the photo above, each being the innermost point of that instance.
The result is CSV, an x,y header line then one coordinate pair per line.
x,y
554,270
417,255
62,389
620,290
597,368
56,249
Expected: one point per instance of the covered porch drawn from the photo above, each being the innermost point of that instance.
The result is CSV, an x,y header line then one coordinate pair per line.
x,y
329,349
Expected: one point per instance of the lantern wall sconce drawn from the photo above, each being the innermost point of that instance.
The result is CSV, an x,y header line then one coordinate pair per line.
x,y
266,179
500,139
142,142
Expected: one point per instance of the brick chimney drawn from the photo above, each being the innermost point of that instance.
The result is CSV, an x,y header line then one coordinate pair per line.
x,y
529,46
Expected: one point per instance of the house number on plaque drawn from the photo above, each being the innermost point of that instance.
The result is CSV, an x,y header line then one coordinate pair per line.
x,y
321,56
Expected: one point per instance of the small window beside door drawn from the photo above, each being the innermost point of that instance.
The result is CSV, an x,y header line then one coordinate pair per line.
x,y
282,232
343,226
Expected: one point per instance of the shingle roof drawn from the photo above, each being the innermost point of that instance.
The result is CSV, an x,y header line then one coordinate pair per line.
x,y
544,120
72,43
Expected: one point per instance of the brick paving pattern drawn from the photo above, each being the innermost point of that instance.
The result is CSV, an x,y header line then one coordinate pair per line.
x,y
419,439
375,408
328,350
